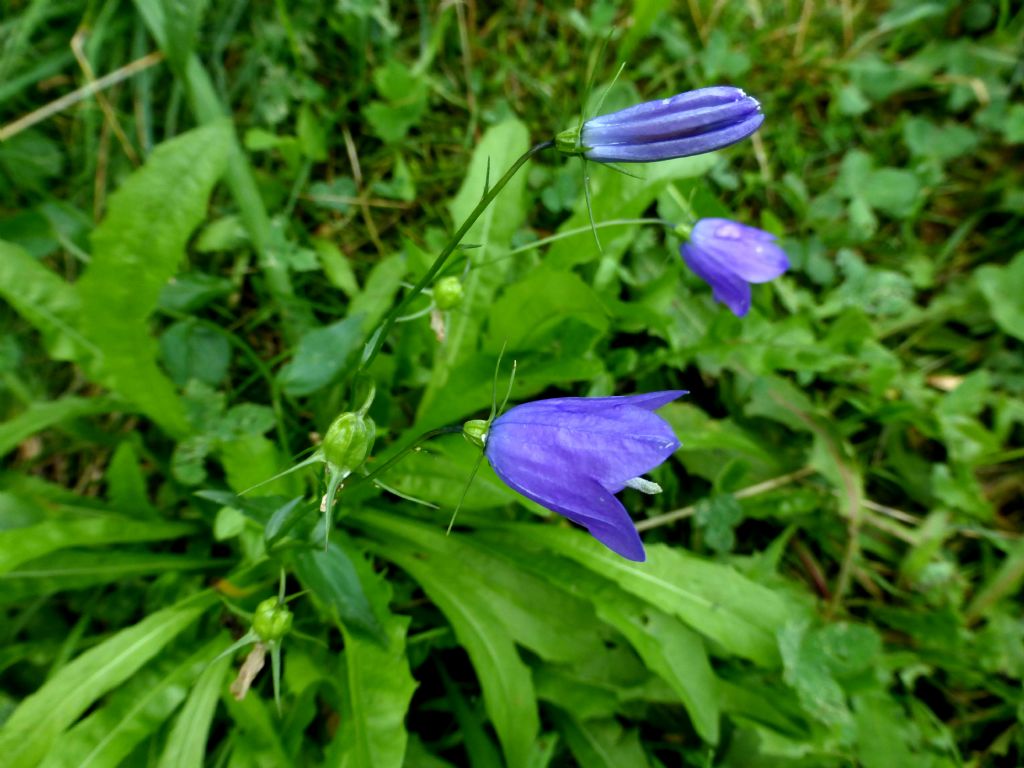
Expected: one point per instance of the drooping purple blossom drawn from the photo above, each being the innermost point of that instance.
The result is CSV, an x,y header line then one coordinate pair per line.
x,y
729,256
689,123
573,454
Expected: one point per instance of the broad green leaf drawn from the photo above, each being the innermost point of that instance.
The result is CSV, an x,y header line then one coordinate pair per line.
x,y
19,545
405,92
31,729
893,191
499,148
709,444
186,744
136,250
762,702
321,356
884,731
506,681
126,484
181,19
807,671
673,652
1003,286
378,685
379,291
249,460
714,599
941,142
190,350
43,299
68,569
530,312
539,613
602,743
190,291
210,111
43,415
668,648
332,578
255,733
132,713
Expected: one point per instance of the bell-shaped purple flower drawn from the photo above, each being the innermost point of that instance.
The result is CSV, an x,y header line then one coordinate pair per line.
x,y
729,256
573,454
690,123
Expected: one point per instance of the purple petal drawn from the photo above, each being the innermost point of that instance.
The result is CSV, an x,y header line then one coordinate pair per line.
x,y
650,401
575,437
572,454
670,125
726,286
681,147
652,110
750,253
581,500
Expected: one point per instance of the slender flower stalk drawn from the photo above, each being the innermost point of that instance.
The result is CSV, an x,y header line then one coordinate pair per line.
x,y
729,256
689,123
376,340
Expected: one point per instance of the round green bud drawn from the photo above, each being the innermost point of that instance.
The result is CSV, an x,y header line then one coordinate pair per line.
x,y
475,430
272,620
448,292
348,441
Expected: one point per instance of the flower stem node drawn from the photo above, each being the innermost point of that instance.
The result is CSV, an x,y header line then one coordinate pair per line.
x,y
475,430
272,621
448,293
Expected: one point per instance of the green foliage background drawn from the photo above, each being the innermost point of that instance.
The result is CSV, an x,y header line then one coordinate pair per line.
x,y
192,259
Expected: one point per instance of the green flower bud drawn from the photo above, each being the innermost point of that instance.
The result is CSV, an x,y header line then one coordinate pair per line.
x,y
348,441
272,620
448,292
475,430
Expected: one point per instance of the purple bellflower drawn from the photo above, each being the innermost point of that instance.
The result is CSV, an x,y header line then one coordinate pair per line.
x,y
729,256
573,454
689,123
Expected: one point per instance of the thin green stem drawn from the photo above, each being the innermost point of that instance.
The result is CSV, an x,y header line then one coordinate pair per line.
x,y
377,339
449,430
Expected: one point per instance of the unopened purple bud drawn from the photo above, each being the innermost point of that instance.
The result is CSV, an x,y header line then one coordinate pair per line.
x,y
729,256
573,454
690,123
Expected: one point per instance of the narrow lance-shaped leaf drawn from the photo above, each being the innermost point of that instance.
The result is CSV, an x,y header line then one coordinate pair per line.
x,y
136,250
134,712
378,685
506,681
186,744
40,718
